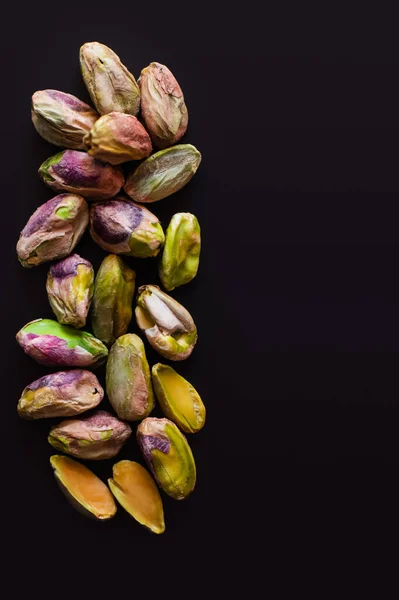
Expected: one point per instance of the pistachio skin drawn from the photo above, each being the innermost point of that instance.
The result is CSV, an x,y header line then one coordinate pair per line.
x,y
55,345
180,258
110,85
97,437
163,173
137,493
77,172
62,119
70,284
53,230
117,138
123,227
178,399
77,482
162,105
61,394
112,301
168,455
168,326
128,379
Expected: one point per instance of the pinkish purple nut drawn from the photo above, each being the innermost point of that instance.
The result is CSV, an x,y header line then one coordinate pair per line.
x,y
55,345
53,230
62,394
162,105
116,138
70,285
122,227
97,437
73,171
62,119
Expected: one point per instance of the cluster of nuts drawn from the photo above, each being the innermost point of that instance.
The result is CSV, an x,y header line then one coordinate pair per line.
x,y
97,142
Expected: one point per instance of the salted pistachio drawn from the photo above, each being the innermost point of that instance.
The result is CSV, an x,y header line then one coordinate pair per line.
x,y
97,437
180,258
117,138
53,230
162,105
128,379
69,286
62,119
78,172
168,455
56,345
168,326
112,301
61,394
137,493
111,86
123,227
163,173
84,490
179,400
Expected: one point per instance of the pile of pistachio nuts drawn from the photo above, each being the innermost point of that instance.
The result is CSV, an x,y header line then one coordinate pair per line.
x,y
131,118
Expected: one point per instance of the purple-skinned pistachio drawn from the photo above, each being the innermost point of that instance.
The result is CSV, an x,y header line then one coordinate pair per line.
x,y
111,86
70,284
96,437
163,173
61,394
168,455
122,227
168,326
78,172
55,345
62,119
128,379
162,105
82,488
112,301
116,138
53,230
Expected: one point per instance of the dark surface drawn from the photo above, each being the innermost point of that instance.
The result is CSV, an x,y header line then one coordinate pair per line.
x,y
297,297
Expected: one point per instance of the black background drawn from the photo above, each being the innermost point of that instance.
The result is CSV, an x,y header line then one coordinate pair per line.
x,y
296,302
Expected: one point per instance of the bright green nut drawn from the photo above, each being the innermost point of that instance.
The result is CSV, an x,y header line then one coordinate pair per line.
x,y
128,379
56,345
179,400
168,455
112,301
169,327
163,173
180,258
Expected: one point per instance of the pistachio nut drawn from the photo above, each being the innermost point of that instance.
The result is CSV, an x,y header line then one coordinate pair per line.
x,y
168,326
180,258
168,455
128,379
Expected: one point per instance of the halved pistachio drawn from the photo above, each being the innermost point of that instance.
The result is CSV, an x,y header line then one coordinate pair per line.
x,y
136,491
84,490
168,455
112,301
97,437
168,326
178,399
180,258
128,379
